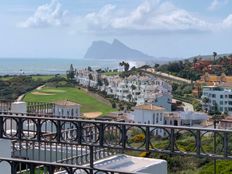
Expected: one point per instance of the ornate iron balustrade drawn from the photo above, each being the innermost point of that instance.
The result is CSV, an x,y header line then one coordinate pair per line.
x,y
32,167
199,142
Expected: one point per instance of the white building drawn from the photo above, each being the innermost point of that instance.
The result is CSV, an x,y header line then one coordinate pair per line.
x,y
67,109
87,78
188,118
149,114
217,97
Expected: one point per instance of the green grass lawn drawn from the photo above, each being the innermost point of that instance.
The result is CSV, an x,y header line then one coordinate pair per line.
x,y
87,102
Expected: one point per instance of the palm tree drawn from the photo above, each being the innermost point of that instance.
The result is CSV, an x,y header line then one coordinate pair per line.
x,y
125,65
214,55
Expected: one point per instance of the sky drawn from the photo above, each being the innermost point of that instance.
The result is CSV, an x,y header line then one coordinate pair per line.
x,y
161,28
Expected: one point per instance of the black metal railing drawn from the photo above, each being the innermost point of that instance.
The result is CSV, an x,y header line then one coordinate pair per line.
x,y
117,135
42,129
33,167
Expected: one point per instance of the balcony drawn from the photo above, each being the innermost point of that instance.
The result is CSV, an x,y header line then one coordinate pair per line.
x,y
44,142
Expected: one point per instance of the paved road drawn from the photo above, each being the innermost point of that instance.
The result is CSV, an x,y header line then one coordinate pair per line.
x,y
173,77
20,98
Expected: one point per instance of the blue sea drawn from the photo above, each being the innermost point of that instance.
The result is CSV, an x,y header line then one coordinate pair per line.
x,y
15,66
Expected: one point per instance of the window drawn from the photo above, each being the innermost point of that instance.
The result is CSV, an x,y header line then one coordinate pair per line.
x,y
221,96
221,102
213,95
161,117
225,96
230,109
221,109
230,102
157,119
230,96
72,113
153,118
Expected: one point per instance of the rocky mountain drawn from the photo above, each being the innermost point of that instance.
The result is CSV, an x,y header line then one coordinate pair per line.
x,y
114,50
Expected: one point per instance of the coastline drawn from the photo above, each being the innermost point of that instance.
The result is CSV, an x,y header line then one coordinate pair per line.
x,y
51,66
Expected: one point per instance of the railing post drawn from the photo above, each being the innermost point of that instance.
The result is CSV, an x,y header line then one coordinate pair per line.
x,y
173,140
20,128
198,142
225,144
101,134
214,147
91,158
124,137
32,169
58,131
79,133
1,127
147,140
13,168
50,169
38,129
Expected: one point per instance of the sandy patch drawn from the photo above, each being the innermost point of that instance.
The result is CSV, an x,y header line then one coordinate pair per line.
x,y
92,114
54,90
41,93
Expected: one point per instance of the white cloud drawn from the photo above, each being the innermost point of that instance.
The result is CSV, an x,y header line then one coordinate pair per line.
x,y
227,22
215,4
148,16
46,15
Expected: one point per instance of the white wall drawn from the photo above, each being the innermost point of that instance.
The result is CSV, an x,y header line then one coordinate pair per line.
x,y
149,117
67,111
5,152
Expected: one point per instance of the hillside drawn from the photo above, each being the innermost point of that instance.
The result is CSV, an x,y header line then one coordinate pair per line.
x,y
114,50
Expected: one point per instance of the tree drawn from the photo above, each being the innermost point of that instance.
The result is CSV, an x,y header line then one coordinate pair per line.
x,y
71,73
99,82
157,65
106,82
214,56
89,68
114,105
195,60
133,87
90,76
125,65
129,97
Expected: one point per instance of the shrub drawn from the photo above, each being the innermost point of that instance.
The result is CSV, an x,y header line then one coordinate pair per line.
x,y
138,138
